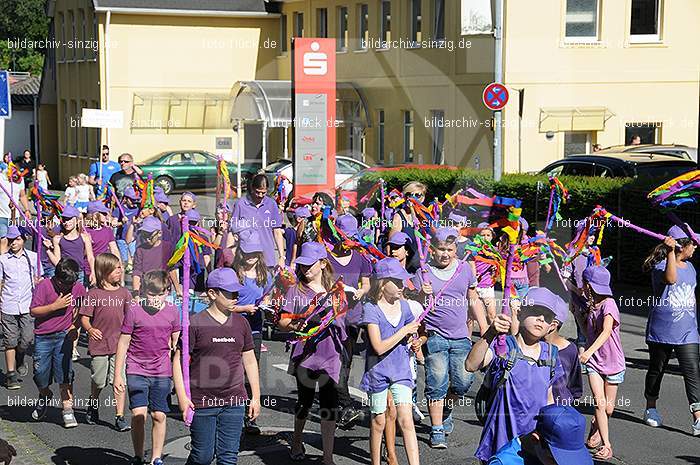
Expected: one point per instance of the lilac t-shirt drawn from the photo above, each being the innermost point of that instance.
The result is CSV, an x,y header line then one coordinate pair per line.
x,y
609,358
325,355
149,350
449,316
673,317
263,218
570,386
484,273
358,267
100,239
129,214
394,366
152,258
58,320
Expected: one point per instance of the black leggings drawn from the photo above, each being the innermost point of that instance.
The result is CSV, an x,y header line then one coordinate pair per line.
x,y
688,356
306,391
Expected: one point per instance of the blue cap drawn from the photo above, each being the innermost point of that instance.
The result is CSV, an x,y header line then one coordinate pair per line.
x,y
563,429
677,232
97,207
249,241
390,267
444,233
599,279
69,211
369,213
543,297
13,232
193,215
311,252
160,196
399,238
347,224
190,195
224,278
302,212
151,224
130,193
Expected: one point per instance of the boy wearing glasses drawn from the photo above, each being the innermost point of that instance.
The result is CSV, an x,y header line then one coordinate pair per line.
x,y
149,333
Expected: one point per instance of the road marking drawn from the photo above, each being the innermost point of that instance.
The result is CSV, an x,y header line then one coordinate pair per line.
x,y
353,391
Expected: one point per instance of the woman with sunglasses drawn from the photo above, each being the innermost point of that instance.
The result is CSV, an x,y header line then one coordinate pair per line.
x,y
307,228
389,323
318,362
672,325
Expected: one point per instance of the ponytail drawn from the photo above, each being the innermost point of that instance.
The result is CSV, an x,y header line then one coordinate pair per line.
x,y
657,255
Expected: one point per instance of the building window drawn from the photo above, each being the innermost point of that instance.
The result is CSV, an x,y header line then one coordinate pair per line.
x,y
363,25
439,19
95,37
582,20
71,20
642,133
577,143
408,137
298,24
322,22
385,27
437,118
85,149
342,35
645,22
62,39
66,125
84,36
75,124
380,136
416,20
283,34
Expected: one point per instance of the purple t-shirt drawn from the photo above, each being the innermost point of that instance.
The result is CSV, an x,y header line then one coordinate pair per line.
x,y
449,316
516,405
100,239
325,356
394,366
609,358
152,258
484,274
290,238
129,214
250,294
263,218
58,320
217,375
75,249
149,351
673,317
107,310
570,386
358,267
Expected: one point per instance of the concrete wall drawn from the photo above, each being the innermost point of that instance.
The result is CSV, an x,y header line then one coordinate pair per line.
x,y
18,138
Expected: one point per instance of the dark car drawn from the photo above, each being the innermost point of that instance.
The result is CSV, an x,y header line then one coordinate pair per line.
x,y
619,165
191,170
680,151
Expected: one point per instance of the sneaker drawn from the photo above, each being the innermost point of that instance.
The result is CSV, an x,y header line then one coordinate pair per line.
x,y
42,407
69,420
11,381
23,369
652,418
448,425
92,415
438,439
157,461
696,427
76,355
251,428
136,461
121,425
348,417
418,416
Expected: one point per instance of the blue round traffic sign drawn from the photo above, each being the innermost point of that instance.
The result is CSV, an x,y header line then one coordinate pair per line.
x,y
495,96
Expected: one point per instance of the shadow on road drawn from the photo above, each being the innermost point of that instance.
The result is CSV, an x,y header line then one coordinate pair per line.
x,y
89,456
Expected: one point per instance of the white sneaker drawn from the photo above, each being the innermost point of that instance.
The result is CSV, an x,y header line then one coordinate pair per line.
x,y
652,418
696,427
69,420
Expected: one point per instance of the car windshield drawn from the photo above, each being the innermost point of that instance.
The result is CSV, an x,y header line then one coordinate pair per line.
x,y
276,166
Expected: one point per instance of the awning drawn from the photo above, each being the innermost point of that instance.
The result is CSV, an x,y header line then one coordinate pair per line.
x,y
574,119
271,102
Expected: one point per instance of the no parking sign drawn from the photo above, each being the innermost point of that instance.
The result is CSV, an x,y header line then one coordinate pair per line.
x,y
495,96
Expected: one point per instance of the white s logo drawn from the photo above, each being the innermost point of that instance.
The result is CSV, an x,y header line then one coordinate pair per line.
x,y
315,63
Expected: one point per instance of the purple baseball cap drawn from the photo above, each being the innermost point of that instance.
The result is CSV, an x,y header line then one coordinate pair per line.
x,y
484,225
160,197
249,241
347,224
97,207
444,233
151,224
190,195
302,212
224,278
311,252
390,268
69,211
677,232
563,429
193,215
599,279
399,238
130,193
369,213
13,232
543,297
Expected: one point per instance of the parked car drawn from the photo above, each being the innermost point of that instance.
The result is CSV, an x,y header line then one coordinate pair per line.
x,y
345,167
191,170
680,151
624,164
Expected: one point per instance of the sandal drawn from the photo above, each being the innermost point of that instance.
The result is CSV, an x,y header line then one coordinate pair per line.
x,y
604,453
298,456
595,446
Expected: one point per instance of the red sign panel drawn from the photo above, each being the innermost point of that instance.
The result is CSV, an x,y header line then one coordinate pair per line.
x,y
314,83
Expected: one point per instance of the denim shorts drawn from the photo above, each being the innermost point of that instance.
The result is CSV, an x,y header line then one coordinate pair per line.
x,y
126,250
52,359
617,378
401,394
149,391
444,366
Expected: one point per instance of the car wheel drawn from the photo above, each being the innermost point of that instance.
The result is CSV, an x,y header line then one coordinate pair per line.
x,y
166,184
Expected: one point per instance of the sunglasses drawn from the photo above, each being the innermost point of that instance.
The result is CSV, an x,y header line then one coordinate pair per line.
x,y
228,294
415,195
124,161
397,282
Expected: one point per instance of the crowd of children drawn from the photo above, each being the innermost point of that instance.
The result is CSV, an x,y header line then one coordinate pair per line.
x,y
414,295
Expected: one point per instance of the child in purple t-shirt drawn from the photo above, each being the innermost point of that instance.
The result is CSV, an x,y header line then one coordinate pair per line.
x,y
603,357
389,322
102,316
55,307
485,273
149,332
97,226
152,252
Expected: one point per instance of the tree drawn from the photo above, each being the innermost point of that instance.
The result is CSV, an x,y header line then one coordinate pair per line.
x,y
22,19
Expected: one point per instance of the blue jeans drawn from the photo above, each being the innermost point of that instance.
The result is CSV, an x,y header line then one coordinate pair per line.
x,y
126,250
444,366
52,359
216,431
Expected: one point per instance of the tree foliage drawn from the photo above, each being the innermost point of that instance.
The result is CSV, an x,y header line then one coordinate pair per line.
x,y
22,19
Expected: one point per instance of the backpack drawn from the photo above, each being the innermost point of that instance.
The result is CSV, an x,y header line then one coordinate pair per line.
x,y
490,387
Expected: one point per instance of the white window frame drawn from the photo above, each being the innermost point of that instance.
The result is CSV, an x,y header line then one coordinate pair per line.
x,y
647,38
589,141
583,39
